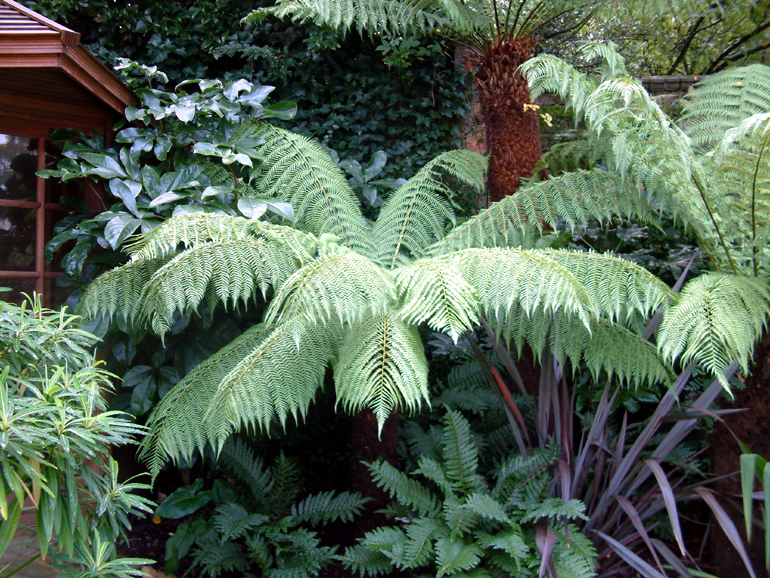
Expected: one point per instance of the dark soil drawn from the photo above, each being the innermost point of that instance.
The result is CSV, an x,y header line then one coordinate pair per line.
x,y
751,427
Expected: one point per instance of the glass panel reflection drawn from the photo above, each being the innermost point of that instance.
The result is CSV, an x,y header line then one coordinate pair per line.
x,y
18,231
18,164
18,287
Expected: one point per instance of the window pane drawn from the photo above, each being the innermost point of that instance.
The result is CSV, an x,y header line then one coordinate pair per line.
x,y
17,288
17,239
18,163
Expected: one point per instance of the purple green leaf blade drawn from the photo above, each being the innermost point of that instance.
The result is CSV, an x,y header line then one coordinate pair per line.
x,y
727,525
670,501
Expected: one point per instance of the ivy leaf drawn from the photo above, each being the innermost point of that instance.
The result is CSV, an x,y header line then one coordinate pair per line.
x,y
376,164
185,113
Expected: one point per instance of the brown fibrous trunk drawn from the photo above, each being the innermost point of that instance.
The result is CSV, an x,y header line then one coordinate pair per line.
x,y
513,136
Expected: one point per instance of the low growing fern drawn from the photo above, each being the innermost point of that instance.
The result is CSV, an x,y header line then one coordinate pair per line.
x,y
458,524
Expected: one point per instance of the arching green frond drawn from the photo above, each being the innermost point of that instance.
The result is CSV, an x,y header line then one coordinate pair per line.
x,y
301,172
722,101
617,287
717,321
228,271
613,63
549,74
572,155
741,165
119,290
404,489
508,279
341,285
570,198
178,425
381,366
279,377
601,346
433,291
196,229
460,454
241,461
366,16
413,216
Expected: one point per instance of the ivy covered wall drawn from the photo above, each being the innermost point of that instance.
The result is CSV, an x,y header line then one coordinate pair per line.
x,y
353,95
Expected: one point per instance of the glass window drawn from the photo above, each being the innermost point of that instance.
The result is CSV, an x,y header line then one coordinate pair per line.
x,y
29,209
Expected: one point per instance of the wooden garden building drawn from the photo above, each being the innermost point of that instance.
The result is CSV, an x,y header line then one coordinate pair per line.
x,y
48,81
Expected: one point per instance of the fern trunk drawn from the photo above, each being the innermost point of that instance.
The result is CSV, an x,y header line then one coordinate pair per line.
x,y
368,446
513,135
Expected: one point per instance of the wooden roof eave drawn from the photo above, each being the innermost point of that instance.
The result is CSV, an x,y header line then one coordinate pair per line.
x,y
42,43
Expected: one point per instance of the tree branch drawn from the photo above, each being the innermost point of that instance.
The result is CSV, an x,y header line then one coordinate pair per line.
x,y
694,29
742,40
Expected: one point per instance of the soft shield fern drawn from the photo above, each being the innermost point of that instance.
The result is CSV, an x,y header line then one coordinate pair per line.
x,y
455,523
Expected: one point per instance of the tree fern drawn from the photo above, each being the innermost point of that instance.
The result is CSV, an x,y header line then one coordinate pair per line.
x,y
301,172
196,229
722,101
413,215
381,365
395,17
253,391
717,320
460,455
227,272
434,292
569,199
341,286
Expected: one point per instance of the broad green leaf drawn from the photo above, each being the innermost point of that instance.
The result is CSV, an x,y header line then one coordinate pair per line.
x,y
184,501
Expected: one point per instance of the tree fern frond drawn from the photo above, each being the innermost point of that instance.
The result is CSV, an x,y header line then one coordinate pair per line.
x,y
119,290
340,286
225,272
433,291
302,173
722,101
506,279
564,157
255,390
601,345
741,165
716,321
404,489
177,424
366,16
381,366
195,229
570,198
460,453
413,215
549,74
613,66
617,287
